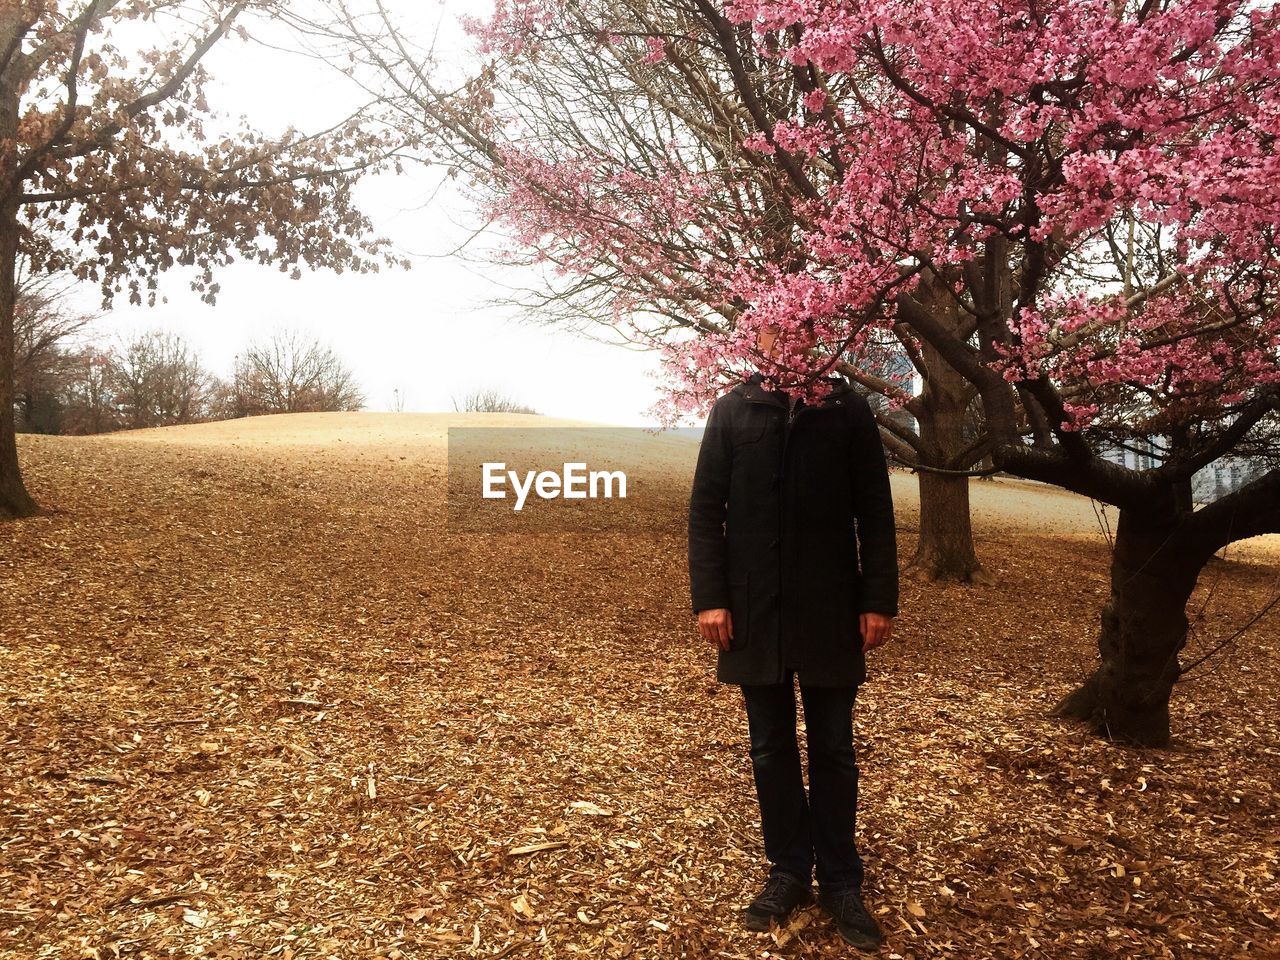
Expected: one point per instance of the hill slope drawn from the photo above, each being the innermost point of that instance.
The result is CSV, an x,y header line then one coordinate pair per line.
x,y
260,697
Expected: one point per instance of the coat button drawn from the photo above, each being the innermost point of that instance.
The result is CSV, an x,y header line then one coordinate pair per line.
x,y
773,544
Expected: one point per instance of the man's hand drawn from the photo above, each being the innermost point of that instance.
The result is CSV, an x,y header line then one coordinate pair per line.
x,y
876,629
716,626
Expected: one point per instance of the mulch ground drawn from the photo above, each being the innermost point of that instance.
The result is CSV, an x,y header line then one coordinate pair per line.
x,y
260,702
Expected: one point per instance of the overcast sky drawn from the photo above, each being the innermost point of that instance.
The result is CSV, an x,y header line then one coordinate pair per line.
x,y
429,332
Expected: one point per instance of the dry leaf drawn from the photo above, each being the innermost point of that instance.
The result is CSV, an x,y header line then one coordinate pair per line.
x,y
590,809
498,675
537,847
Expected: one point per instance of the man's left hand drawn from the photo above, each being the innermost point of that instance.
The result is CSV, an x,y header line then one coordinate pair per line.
x,y
876,629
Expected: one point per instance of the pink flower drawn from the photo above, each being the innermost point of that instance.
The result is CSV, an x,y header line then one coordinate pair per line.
x,y
1062,134
814,100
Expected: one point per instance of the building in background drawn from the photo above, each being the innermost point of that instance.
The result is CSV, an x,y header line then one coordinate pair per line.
x,y
1218,479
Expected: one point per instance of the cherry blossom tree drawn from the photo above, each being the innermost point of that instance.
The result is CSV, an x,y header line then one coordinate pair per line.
x,y
615,157
1065,210
1090,188
114,167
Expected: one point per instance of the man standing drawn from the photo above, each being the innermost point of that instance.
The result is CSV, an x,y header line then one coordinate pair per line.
x,y
794,574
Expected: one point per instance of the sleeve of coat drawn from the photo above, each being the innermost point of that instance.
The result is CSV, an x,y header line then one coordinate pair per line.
x,y
873,507
708,504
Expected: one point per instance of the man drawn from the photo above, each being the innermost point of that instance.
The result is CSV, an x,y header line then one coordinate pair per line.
x,y
793,571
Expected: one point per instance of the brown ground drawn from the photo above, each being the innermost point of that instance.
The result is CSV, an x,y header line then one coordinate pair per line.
x,y
257,701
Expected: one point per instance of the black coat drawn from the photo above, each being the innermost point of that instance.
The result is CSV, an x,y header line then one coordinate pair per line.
x,y
791,528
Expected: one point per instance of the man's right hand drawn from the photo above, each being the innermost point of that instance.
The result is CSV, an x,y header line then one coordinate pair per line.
x,y
716,626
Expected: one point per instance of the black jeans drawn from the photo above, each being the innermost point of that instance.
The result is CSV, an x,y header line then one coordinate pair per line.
x,y
818,831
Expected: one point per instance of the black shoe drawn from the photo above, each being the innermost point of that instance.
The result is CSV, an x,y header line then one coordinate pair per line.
x,y
855,925
782,893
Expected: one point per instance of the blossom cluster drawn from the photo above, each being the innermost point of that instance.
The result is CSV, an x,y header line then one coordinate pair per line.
x,y
961,138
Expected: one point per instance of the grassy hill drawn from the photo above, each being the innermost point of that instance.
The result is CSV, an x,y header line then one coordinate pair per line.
x,y
258,695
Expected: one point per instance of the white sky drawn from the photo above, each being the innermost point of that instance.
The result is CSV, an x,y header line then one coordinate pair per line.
x,y
427,331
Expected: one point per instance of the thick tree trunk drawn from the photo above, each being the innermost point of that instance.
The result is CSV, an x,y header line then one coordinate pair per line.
x,y
14,499
945,549
1144,627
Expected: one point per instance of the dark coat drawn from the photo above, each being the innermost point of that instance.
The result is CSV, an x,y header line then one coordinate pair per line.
x,y
791,528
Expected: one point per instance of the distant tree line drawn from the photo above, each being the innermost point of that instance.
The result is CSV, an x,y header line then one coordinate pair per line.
x,y
67,384
490,401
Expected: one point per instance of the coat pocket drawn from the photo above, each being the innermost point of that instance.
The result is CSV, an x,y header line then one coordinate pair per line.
x,y
751,424
740,611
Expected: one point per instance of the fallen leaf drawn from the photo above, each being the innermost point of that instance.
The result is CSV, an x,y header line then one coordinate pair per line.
x,y
590,809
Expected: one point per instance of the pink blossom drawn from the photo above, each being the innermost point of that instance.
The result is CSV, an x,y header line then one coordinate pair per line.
x,y
976,127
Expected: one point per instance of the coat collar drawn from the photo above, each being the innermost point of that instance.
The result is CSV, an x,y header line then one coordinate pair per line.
x,y
753,389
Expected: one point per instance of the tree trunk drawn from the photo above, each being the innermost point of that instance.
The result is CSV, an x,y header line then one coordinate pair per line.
x,y
14,499
1144,627
945,549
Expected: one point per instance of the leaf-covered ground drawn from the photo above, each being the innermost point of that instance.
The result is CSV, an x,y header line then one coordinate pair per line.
x,y
257,701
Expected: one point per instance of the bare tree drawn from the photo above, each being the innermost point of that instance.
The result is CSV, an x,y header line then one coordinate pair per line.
x,y
87,399
490,401
157,380
43,359
291,374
